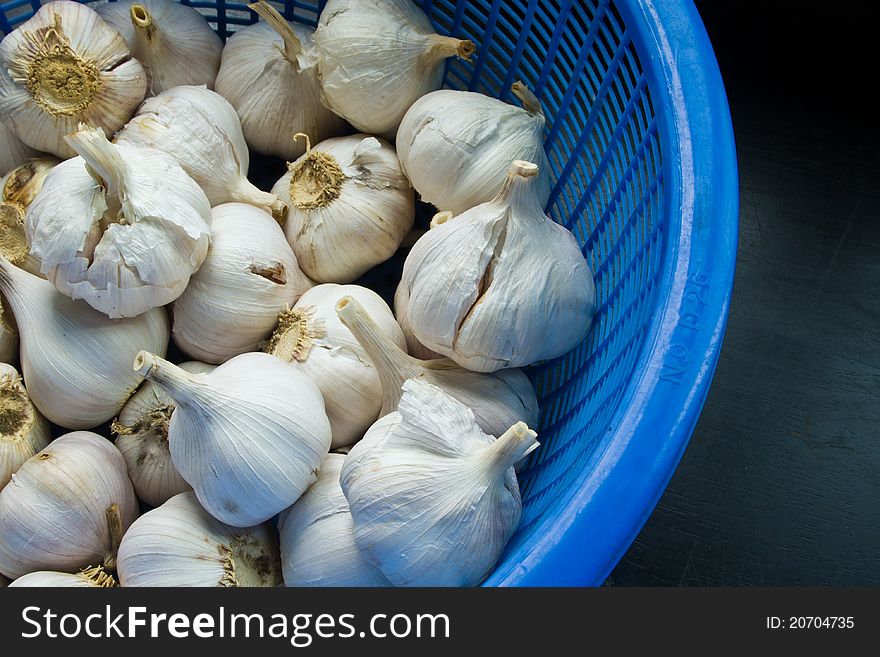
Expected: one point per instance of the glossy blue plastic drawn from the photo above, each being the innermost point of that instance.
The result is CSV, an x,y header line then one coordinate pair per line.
x,y
641,148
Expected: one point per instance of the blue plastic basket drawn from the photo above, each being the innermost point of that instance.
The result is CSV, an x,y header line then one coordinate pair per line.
x,y
641,148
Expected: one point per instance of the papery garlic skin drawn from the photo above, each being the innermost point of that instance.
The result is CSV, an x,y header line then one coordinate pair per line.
x,y
63,67
249,436
76,363
311,337
23,430
12,150
401,312
95,577
249,276
8,335
22,183
268,73
121,227
498,400
500,285
377,57
173,42
434,500
349,207
201,130
456,146
180,544
66,508
317,537
142,439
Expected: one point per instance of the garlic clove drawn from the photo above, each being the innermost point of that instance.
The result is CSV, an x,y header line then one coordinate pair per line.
x,y
349,207
22,184
142,439
498,400
377,57
92,577
317,537
268,73
23,430
173,42
433,499
249,436
311,336
66,42
413,346
66,507
248,277
456,146
180,544
76,362
501,285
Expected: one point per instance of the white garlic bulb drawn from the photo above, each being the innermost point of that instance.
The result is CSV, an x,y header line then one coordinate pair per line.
x,y
76,362
142,437
22,184
434,500
13,239
23,430
456,146
63,67
268,73
95,577
349,207
317,537
249,436
8,335
498,400
377,57
200,129
121,227
173,42
12,150
180,544
66,508
310,336
250,275
501,285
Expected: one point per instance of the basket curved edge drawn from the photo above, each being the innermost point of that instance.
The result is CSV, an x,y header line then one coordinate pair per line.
x,y
645,439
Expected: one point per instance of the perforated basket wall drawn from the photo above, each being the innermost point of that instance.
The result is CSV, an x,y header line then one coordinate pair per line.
x,y
640,146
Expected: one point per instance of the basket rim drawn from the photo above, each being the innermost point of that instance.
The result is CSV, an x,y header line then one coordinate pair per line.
x,y
632,465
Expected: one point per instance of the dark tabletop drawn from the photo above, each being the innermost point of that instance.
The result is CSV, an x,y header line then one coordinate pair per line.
x,y
781,482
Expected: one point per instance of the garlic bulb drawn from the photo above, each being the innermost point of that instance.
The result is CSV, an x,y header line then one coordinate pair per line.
x,y
377,57
63,67
66,507
200,129
434,500
269,74
180,544
95,577
173,42
8,335
249,276
456,146
121,227
498,400
76,362
13,239
317,537
248,437
22,184
23,431
310,336
12,151
501,285
349,207
142,438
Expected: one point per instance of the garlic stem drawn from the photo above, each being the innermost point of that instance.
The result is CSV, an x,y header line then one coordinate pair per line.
x,y
292,45
246,192
177,382
143,21
530,101
440,218
516,185
391,363
444,46
114,526
103,161
512,446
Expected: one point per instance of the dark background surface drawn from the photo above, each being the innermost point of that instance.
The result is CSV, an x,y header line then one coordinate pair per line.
x,y
780,484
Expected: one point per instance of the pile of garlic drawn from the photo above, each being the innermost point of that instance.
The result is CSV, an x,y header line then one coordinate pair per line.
x,y
322,436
